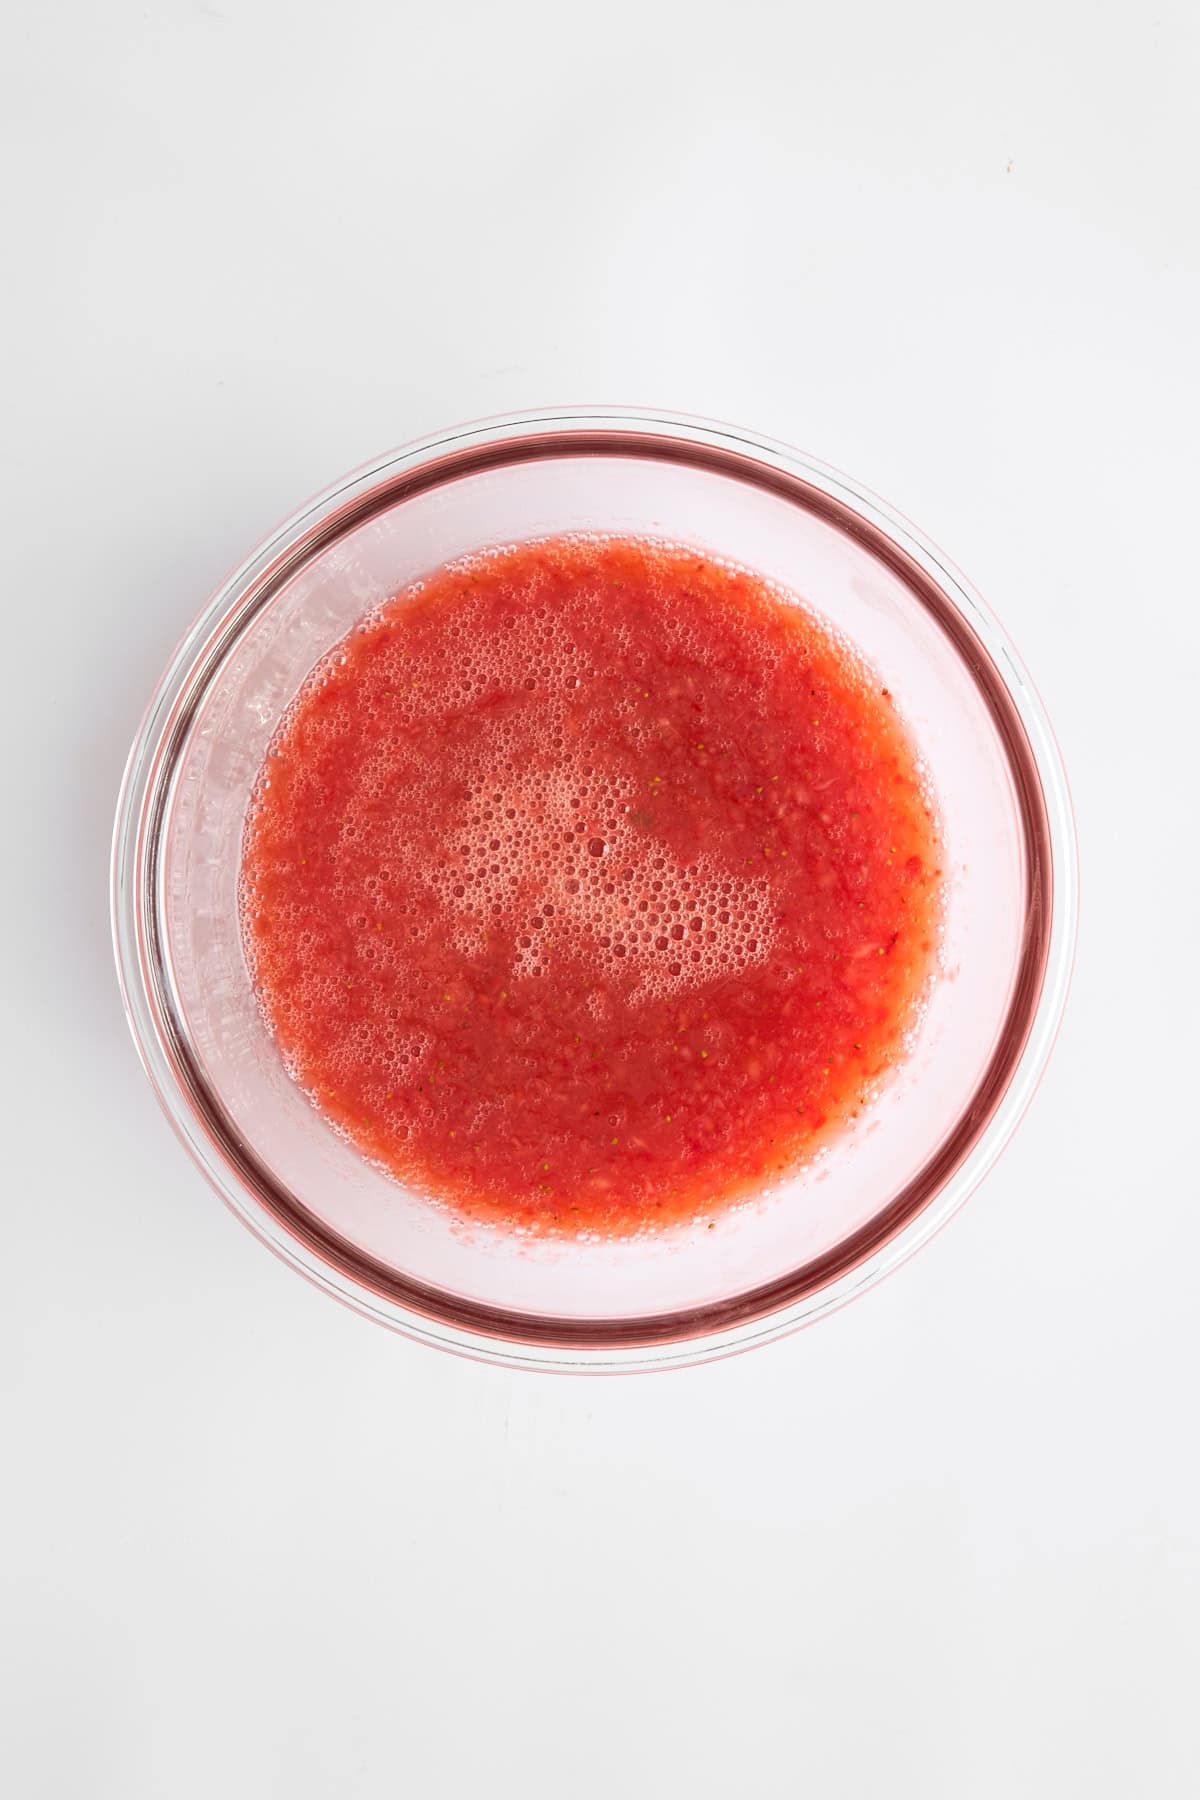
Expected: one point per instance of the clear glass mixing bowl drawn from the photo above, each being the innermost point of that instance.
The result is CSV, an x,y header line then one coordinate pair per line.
x,y
886,1184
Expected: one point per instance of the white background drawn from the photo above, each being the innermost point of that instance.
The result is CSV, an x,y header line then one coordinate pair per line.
x,y
944,1544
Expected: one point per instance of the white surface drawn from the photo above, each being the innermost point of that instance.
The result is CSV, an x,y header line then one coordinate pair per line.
x,y
946,1544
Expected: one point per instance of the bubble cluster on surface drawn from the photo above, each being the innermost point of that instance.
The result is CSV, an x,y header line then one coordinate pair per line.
x,y
559,862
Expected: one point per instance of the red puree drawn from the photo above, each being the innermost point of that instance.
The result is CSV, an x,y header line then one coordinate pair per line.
x,y
588,884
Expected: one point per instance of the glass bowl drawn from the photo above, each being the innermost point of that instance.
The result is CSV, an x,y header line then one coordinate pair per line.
x,y
886,1184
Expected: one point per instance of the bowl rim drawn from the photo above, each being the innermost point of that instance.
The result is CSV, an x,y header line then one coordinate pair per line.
x,y
815,1288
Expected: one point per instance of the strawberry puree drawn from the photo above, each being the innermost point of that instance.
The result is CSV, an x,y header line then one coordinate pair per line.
x,y
589,884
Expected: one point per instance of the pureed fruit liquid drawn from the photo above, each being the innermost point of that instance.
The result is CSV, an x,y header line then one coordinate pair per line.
x,y
589,884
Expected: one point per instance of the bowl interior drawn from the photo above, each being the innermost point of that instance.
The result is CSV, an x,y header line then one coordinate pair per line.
x,y
873,1178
